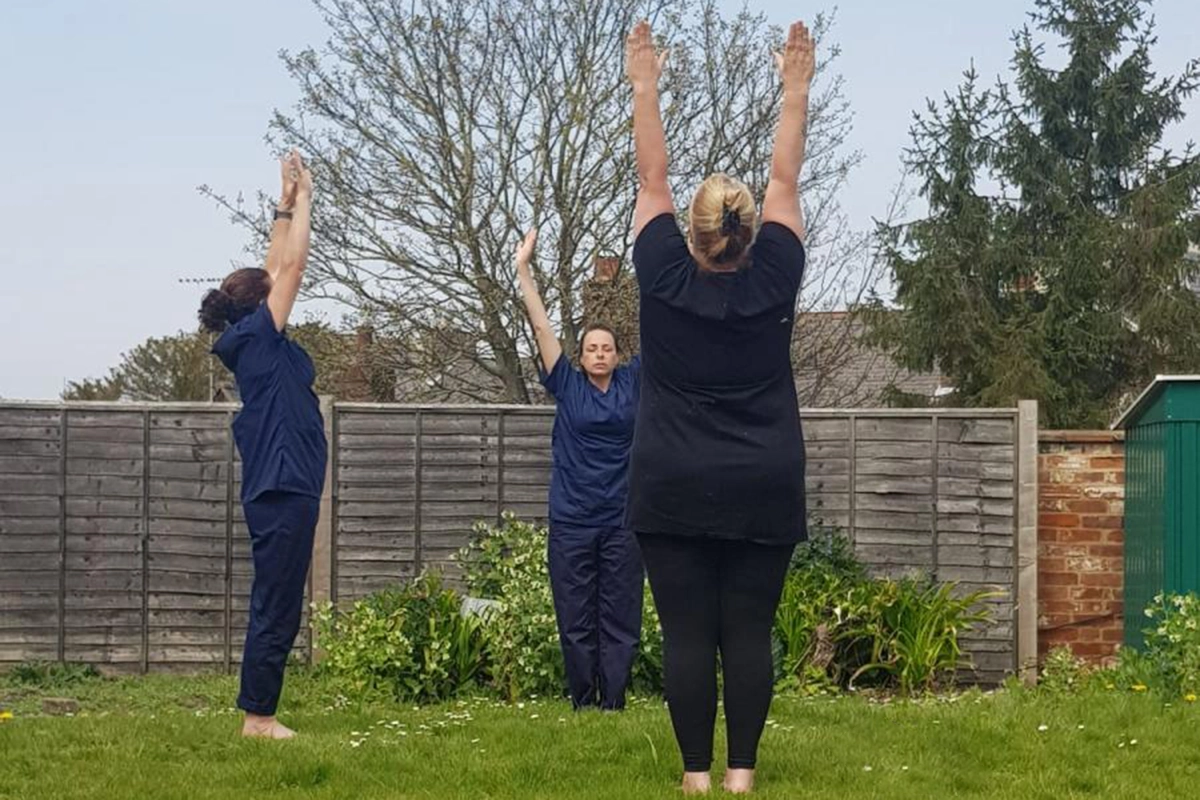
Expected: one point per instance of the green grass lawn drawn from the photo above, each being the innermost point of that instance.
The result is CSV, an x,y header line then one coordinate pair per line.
x,y
169,737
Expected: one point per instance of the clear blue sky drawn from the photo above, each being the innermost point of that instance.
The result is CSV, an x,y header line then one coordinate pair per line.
x,y
115,111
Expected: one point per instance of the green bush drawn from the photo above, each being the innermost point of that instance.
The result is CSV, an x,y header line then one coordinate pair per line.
x,y
812,653
647,677
1172,644
507,563
1063,672
1169,661
914,625
412,641
836,626
53,675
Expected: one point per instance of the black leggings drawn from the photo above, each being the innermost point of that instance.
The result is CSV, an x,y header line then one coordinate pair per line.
x,y
715,594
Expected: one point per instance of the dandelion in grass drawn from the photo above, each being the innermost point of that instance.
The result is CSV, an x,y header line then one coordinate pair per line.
x,y
5,716
1191,698
1139,687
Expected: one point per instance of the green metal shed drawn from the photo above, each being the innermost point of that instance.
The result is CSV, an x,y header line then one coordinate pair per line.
x,y
1162,495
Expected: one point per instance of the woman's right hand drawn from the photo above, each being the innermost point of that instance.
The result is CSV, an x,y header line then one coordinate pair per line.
x,y
525,251
304,179
797,62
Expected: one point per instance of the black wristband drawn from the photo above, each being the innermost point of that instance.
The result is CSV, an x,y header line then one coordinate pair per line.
x,y
282,214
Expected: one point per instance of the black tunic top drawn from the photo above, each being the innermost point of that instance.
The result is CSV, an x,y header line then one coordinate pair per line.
x,y
718,450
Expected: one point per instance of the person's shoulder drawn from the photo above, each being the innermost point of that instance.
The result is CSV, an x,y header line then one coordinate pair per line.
x,y
778,246
778,234
661,233
664,223
562,379
662,260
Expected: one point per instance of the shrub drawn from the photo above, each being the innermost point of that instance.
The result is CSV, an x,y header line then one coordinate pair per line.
x,y
507,563
914,625
1172,643
835,625
411,641
1063,672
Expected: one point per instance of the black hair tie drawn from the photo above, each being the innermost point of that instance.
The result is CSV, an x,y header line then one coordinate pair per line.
x,y
731,220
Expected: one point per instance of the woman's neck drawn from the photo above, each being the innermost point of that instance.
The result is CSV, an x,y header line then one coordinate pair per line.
x,y
601,382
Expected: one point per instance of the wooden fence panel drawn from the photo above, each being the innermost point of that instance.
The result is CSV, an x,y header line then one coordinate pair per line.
x,y
122,540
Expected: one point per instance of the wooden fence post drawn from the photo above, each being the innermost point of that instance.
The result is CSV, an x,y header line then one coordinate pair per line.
x,y
321,573
1027,540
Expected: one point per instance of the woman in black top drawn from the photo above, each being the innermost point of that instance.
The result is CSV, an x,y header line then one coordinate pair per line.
x,y
717,470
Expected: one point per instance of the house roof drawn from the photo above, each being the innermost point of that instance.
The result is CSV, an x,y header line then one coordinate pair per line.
x,y
834,367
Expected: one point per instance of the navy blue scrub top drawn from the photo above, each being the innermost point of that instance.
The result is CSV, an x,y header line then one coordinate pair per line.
x,y
279,431
593,433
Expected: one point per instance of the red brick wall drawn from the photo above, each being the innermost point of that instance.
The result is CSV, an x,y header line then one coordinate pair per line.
x,y
1081,503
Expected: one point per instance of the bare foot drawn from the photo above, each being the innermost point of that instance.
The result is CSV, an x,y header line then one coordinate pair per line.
x,y
739,781
265,728
696,783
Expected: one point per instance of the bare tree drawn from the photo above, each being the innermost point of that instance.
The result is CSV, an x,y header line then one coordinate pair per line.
x,y
438,131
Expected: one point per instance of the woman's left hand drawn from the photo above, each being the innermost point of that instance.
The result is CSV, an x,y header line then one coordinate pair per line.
x,y
289,177
525,250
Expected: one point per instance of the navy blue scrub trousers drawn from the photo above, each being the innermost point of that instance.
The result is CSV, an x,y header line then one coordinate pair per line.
x,y
596,577
281,525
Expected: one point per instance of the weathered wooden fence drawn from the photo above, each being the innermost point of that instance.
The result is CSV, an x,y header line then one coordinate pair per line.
x,y
122,541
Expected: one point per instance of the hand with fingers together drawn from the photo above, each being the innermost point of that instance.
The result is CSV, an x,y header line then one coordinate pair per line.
x,y
289,175
525,252
797,61
643,61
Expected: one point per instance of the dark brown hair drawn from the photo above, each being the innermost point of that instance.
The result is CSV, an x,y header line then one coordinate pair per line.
x,y
599,326
240,294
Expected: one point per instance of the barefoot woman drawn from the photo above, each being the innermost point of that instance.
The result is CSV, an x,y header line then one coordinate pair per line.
x,y
281,438
717,471
595,567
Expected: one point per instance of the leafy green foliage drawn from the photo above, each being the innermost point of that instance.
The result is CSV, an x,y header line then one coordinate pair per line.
x,y
1172,643
507,563
1054,259
413,641
836,626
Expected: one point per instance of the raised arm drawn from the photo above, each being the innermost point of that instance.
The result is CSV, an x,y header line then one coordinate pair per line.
x,y
797,64
547,342
643,67
286,282
283,215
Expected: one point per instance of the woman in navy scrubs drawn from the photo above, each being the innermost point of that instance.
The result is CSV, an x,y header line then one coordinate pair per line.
x,y
595,566
281,438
